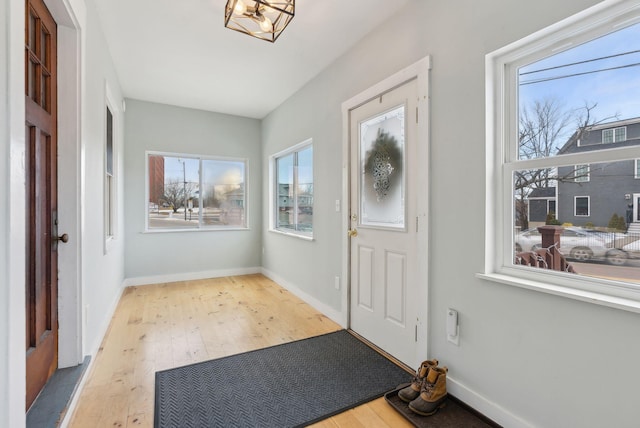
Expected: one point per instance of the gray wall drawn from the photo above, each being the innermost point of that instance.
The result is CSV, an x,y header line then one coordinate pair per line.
x,y
160,127
544,360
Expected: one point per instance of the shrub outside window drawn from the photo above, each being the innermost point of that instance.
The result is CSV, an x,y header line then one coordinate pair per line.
x,y
547,135
195,192
293,190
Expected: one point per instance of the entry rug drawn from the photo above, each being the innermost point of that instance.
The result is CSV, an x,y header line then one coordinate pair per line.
x,y
288,385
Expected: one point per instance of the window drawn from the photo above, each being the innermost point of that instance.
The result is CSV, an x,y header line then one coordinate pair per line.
x,y
545,129
109,180
190,192
637,168
581,174
614,135
581,206
292,195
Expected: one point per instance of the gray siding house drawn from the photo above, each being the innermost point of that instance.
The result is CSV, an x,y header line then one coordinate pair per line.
x,y
541,202
591,194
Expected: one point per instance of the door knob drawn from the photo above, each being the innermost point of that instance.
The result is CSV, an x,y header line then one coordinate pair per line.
x,y
352,233
64,238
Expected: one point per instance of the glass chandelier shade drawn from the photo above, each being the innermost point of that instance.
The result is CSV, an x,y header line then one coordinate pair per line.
x,y
263,19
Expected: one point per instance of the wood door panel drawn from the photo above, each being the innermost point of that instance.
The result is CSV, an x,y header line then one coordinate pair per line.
x,y
41,289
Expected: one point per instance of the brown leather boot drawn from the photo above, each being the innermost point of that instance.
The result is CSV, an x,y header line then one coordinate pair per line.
x,y
412,391
433,393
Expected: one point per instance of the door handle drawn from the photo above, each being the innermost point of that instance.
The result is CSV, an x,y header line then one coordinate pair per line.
x,y
352,233
64,238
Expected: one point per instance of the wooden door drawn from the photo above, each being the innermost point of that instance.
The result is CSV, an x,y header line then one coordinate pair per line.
x,y
383,212
41,198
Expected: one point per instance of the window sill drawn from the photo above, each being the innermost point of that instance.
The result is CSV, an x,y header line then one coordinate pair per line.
x,y
292,234
623,303
191,230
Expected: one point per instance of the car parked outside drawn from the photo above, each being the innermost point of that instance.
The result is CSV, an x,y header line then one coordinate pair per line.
x,y
575,243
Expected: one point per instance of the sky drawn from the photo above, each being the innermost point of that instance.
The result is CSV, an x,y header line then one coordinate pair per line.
x,y
616,91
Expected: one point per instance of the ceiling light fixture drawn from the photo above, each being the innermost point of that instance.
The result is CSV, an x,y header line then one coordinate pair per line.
x,y
263,19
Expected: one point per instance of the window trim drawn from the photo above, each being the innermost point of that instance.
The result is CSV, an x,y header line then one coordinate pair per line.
x,y
273,190
636,170
501,126
200,158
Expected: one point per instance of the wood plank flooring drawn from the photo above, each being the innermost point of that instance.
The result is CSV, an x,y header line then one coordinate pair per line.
x,y
156,327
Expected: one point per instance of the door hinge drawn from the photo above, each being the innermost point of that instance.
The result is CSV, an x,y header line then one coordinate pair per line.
x,y
416,335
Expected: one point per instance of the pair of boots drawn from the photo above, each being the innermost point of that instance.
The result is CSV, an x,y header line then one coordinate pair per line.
x,y
428,390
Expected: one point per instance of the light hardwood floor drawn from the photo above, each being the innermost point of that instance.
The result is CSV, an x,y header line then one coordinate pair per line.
x,y
156,327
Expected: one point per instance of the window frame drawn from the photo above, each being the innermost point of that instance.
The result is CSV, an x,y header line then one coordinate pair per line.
x,y
614,132
636,173
274,189
501,156
110,178
201,227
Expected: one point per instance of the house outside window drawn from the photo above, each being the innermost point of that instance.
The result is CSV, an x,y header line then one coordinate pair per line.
x,y
546,129
614,135
581,206
292,194
581,173
637,168
195,192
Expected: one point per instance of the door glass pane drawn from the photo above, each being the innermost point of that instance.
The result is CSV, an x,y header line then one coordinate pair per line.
x,y
32,32
44,90
382,172
31,83
44,47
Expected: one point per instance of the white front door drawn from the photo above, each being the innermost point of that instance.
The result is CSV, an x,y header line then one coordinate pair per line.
x,y
383,221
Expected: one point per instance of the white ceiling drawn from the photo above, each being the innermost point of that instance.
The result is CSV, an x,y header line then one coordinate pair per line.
x,y
178,51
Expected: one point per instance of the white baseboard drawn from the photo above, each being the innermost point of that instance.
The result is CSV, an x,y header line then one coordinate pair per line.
x,y
189,276
331,313
481,404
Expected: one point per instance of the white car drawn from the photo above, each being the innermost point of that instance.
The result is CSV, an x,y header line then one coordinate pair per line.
x,y
575,243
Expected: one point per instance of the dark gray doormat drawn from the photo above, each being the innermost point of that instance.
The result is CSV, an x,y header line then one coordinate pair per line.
x,y
288,385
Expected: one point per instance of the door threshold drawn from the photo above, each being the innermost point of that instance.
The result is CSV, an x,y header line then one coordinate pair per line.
x,y
52,403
